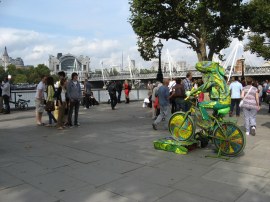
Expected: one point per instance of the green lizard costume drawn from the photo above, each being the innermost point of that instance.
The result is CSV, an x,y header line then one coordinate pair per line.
x,y
215,84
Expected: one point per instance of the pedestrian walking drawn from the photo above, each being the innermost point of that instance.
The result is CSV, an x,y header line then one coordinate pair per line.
x,y
250,106
236,89
112,94
119,88
164,102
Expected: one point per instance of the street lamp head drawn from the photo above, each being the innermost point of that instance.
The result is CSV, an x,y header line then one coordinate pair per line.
x,y
242,58
159,45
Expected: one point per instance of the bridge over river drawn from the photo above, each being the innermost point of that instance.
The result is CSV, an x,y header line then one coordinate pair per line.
x,y
261,72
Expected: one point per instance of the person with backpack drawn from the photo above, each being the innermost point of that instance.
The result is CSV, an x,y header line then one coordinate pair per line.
x,y
119,88
112,93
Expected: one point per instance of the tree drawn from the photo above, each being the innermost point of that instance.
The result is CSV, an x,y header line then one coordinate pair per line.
x,y
257,15
203,25
20,78
3,74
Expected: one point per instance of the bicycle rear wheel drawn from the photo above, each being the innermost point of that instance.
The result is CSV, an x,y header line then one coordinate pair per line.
x,y
181,128
231,141
24,106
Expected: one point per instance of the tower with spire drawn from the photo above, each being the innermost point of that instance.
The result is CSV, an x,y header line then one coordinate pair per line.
x,y
5,58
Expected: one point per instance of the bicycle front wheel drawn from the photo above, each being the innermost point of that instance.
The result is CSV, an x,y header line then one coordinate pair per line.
x,y
229,139
181,128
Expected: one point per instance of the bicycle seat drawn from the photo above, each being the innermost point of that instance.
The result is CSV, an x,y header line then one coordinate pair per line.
x,y
20,95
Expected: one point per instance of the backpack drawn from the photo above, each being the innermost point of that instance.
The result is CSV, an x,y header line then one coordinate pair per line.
x,y
129,87
112,89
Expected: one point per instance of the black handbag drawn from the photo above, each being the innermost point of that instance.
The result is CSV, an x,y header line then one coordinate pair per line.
x,y
49,106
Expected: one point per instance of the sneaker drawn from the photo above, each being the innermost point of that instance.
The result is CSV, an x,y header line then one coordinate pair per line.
x,y
253,130
247,133
77,125
154,126
70,126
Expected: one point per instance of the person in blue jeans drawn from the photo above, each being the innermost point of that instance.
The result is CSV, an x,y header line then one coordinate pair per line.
x,y
164,103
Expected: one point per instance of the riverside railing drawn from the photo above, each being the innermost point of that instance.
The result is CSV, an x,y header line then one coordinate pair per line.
x,y
101,95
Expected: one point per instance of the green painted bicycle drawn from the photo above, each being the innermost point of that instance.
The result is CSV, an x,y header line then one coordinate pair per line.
x,y
225,135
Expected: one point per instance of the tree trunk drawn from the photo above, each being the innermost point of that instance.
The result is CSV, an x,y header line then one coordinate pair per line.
x,y
201,50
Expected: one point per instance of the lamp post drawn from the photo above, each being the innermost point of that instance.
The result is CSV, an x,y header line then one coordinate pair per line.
x,y
159,74
243,66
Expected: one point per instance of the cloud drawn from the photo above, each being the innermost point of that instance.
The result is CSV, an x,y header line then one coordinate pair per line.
x,y
35,47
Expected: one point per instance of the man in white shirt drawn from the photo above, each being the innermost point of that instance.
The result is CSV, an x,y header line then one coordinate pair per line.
x,y
235,88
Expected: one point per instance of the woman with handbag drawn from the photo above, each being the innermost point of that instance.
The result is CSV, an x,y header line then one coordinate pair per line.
x,y
250,105
50,101
61,102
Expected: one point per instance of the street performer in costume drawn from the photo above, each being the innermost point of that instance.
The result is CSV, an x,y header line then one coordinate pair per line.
x,y
215,84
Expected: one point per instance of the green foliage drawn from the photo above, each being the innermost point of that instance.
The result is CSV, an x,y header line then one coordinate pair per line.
x,y
24,75
3,74
202,25
20,78
257,15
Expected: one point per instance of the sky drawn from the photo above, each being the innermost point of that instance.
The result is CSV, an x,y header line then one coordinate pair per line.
x,y
99,29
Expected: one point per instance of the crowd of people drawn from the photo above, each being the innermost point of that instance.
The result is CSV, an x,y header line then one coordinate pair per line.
x,y
169,97
164,98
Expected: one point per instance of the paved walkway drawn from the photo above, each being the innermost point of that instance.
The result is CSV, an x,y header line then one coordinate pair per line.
x,y
111,158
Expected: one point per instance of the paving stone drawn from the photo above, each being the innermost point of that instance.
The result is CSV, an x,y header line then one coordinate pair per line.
x,y
81,156
25,193
136,189
91,194
209,189
90,174
157,176
184,167
242,168
252,196
50,161
115,165
237,179
26,169
266,189
56,183
7,180
178,195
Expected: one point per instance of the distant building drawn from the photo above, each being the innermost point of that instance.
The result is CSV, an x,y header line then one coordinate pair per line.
x,y
5,60
239,66
70,63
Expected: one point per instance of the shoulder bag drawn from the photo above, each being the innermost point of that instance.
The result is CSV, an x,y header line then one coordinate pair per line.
x,y
242,101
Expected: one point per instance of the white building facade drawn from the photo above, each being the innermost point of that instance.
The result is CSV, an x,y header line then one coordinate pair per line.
x,y
69,64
